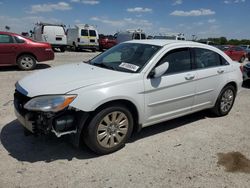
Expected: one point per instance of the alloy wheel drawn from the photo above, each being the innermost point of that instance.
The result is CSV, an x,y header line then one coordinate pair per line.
x,y
112,129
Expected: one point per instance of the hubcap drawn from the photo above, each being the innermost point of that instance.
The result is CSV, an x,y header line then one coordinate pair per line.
x,y
27,62
112,129
227,100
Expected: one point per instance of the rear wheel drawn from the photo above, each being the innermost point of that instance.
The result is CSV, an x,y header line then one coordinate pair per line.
x,y
225,101
109,129
62,49
26,62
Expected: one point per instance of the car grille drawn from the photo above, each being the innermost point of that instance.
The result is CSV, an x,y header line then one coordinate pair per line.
x,y
19,102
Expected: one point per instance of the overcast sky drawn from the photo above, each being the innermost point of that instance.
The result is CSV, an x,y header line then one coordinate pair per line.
x,y
203,18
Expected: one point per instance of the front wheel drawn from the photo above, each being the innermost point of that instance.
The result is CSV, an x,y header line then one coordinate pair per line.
x,y
225,101
26,62
109,129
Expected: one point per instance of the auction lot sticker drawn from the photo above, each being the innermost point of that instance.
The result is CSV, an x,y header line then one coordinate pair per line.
x,y
129,66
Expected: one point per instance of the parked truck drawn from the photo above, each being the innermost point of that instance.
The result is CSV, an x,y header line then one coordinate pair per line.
x,y
83,36
51,33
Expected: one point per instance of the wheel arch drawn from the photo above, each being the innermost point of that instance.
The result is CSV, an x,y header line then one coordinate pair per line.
x,y
128,104
232,83
26,53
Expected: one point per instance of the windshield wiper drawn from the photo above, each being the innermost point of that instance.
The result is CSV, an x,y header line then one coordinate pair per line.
x,y
103,65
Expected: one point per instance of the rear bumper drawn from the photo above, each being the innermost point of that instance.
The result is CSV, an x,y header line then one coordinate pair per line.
x,y
47,56
88,46
59,45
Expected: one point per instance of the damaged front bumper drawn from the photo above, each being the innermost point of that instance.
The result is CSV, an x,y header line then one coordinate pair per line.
x,y
60,123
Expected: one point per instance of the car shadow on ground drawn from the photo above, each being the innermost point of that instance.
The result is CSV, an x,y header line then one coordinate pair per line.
x,y
49,148
44,148
171,124
15,68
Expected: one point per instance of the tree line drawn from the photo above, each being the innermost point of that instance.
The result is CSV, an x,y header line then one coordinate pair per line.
x,y
225,41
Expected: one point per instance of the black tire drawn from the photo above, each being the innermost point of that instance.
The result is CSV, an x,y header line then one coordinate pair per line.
x,y
26,62
220,108
108,141
75,48
93,50
62,49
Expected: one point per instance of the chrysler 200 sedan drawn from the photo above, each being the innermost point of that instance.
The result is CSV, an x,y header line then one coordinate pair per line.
x,y
132,85
23,52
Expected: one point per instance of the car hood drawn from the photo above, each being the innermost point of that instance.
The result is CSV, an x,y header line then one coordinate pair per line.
x,y
67,78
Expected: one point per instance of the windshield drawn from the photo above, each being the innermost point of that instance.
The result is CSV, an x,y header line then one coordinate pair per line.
x,y
126,57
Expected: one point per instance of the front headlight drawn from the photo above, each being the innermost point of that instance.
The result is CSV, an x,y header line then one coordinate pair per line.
x,y
50,103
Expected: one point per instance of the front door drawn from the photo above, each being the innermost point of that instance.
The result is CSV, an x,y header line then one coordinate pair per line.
x,y
7,50
172,94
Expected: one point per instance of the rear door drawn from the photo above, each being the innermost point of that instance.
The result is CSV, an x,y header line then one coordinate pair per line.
x,y
211,77
93,40
172,94
8,49
84,37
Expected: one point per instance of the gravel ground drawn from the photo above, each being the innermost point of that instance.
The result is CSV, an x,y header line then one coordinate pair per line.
x,y
177,153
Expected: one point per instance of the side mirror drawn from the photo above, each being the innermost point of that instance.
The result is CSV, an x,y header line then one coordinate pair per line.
x,y
159,70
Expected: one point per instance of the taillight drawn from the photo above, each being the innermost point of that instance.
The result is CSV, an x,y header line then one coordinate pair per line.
x,y
78,39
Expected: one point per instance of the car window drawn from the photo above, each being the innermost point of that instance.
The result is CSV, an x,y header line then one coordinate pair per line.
x,y
179,61
84,32
238,49
143,36
205,58
92,33
19,39
136,36
5,39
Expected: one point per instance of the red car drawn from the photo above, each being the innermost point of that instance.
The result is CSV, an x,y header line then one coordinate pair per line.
x,y
236,53
23,52
106,42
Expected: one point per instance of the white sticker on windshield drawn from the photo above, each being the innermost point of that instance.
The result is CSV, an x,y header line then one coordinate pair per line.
x,y
129,66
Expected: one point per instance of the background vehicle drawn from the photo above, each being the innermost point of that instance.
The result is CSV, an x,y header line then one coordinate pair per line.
x,y
247,49
130,34
236,53
51,33
132,85
106,42
171,36
24,52
246,71
83,36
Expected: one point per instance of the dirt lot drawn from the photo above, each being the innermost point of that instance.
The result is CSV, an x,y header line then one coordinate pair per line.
x,y
178,153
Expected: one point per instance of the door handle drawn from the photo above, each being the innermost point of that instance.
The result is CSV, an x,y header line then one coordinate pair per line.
x,y
220,71
189,77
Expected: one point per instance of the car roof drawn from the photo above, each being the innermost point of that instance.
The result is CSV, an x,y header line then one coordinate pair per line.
x,y
163,42
8,33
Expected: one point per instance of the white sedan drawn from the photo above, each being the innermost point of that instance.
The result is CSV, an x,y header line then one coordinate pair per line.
x,y
132,85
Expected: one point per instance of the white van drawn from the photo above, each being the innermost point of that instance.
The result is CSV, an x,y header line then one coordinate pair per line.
x,y
51,33
130,34
83,36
